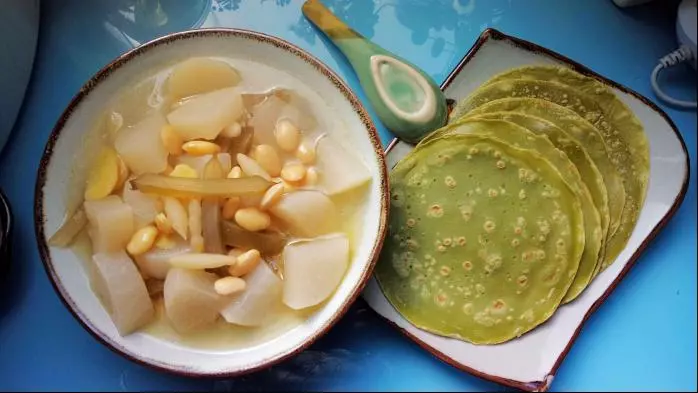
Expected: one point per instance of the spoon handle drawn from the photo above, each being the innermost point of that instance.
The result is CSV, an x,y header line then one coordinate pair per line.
x,y
405,99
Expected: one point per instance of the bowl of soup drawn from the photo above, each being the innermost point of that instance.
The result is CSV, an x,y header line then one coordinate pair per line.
x,y
211,202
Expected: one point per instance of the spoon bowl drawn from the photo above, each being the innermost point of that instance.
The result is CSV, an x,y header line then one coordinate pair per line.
x,y
406,99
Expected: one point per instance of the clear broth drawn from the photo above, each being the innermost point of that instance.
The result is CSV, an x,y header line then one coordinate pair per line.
x,y
128,108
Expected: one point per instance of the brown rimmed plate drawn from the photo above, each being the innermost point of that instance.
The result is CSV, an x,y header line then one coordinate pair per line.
x,y
530,362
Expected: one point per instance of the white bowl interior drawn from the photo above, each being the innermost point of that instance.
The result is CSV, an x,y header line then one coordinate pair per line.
x,y
345,124
534,357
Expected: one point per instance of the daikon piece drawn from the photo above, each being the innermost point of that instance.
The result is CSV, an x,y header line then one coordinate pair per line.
x,y
120,287
191,303
111,223
313,269
308,213
198,163
250,167
266,114
205,115
200,75
155,262
144,205
69,229
338,169
141,147
259,301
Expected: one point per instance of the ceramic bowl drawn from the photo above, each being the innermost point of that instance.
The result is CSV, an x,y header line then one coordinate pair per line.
x,y
66,268
531,361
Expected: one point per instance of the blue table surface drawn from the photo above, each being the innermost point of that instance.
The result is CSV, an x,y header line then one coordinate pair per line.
x,y
643,337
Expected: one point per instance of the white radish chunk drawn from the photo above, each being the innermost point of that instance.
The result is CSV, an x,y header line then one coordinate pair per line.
x,y
266,114
307,213
338,169
251,167
120,287
205,115
141,147
200,75
156,262
313,269
258,302
144,206
111,224
199,162
191,303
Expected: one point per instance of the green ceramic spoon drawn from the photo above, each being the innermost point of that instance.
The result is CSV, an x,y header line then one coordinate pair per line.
x,y
406,100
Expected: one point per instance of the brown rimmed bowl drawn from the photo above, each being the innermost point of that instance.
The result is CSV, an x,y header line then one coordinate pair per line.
x,y
61,179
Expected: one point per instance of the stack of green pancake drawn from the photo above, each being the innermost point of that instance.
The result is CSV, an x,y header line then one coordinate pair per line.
x,y
532,189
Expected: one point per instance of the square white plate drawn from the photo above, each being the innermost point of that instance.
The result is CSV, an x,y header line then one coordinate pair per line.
x,y
530,362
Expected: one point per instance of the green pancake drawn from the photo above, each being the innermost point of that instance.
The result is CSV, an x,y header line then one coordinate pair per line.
x,y
583,84
466,256
514,129
622,133
581,141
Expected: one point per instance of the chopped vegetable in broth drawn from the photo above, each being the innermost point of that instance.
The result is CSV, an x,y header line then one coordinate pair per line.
x,y
218,206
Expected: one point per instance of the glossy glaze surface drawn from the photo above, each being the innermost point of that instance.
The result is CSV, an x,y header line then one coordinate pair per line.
x,y
43,346
406,100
